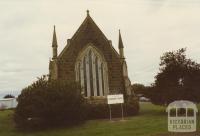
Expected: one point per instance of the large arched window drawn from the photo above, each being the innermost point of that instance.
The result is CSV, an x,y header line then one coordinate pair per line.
x,y
91,72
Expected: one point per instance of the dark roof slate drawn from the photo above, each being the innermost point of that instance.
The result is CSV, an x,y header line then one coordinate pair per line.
x,y
87,30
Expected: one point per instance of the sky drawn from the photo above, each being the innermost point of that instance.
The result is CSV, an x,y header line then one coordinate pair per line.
x,y
148,27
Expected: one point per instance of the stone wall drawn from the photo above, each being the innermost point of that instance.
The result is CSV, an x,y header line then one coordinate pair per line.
x,y
86,34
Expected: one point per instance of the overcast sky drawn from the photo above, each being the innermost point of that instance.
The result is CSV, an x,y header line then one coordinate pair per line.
x,y
148,27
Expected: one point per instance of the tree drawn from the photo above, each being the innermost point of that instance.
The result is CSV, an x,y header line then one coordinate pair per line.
x,y
138,88
9,96
49,103
142,90
178,79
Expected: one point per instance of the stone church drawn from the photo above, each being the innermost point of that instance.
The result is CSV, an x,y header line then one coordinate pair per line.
x,y
90,59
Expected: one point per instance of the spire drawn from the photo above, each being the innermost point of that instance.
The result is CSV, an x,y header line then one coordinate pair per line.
x,y
120,41
54,41
88,12
121,47
54,44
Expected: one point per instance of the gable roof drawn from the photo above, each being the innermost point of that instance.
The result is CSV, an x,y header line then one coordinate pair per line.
x,y
88,23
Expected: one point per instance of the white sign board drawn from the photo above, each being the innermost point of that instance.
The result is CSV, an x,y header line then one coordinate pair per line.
x,y
115,99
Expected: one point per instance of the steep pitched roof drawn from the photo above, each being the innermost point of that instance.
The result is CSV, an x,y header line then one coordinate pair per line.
x,y
88,24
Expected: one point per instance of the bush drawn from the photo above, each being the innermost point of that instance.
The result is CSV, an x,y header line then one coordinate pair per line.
x,y
9,96
48,103
98,111
101,110
132,106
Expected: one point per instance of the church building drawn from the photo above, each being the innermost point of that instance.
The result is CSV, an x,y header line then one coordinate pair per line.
x,y
90,59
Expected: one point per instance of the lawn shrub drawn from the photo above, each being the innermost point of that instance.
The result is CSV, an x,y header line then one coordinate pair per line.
x,y
51,103
9,96
101,110
131,106
48,103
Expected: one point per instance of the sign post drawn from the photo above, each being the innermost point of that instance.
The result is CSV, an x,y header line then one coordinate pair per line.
x,y
122,112
116,99
110,112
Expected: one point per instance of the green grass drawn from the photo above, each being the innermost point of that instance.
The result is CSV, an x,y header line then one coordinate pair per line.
x,y
152,120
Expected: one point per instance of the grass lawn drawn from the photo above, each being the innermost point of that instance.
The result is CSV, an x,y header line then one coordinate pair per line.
x,y
152,120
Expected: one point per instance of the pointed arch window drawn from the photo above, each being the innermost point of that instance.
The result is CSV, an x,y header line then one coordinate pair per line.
x,y
91,72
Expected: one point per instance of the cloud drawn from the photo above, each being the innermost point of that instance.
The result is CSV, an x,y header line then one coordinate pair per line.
x,y
149,28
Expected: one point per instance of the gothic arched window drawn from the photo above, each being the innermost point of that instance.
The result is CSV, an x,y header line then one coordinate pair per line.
x,y
91,72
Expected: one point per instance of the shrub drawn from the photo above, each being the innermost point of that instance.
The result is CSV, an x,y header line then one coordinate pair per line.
x,y
101,110
132,106
9,96
98,111
48,103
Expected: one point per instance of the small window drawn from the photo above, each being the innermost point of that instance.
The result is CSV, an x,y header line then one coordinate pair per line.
x,y
181,112
173,112
190,112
